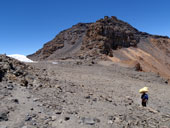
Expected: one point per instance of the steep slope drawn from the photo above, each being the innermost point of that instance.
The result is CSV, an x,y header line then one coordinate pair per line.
x,y
151,55
65,43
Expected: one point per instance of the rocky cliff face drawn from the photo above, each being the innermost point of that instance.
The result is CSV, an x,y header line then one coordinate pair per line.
x,y
109,34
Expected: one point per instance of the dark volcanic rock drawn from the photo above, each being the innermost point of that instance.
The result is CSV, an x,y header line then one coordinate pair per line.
x,y
4,115
13,72
11,69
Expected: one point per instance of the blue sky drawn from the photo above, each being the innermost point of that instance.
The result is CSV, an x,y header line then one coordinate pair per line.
x,y
25,25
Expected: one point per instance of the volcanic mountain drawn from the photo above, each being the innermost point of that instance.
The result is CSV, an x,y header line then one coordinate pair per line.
x,y
113,39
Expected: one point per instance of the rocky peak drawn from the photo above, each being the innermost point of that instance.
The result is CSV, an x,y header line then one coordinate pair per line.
x,y
109,34
96,39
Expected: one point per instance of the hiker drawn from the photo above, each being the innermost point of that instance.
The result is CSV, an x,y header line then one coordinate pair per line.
x,y
144,96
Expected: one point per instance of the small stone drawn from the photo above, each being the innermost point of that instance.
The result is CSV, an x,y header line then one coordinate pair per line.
x,y
40,105
87,97
35,99
117,120
53,118
4,116
34,123
95,99
10,87
166,82
15,101
110,117
57,86
28,118
67,118
60,121
90,121
110,122
79,63
92,62
108,99
58,112
28,97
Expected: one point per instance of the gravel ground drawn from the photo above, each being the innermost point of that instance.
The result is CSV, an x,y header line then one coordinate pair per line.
x,y
76,95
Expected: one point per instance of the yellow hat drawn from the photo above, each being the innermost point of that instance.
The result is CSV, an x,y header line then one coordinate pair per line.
x,y
144,89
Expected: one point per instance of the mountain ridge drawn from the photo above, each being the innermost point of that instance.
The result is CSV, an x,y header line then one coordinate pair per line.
x,y
106,34
110,39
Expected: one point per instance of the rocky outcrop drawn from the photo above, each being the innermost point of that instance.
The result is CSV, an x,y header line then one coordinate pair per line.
x,y
14,71
110,34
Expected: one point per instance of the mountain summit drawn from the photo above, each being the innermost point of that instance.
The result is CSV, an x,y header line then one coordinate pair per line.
x,y
99,37
112,39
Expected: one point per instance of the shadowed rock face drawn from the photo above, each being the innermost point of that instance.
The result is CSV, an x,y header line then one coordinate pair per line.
x,y
97,38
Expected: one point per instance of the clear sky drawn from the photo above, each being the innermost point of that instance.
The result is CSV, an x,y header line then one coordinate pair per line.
x,y
25,25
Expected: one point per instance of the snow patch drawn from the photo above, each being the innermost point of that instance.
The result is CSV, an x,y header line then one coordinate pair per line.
x,y
20,57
